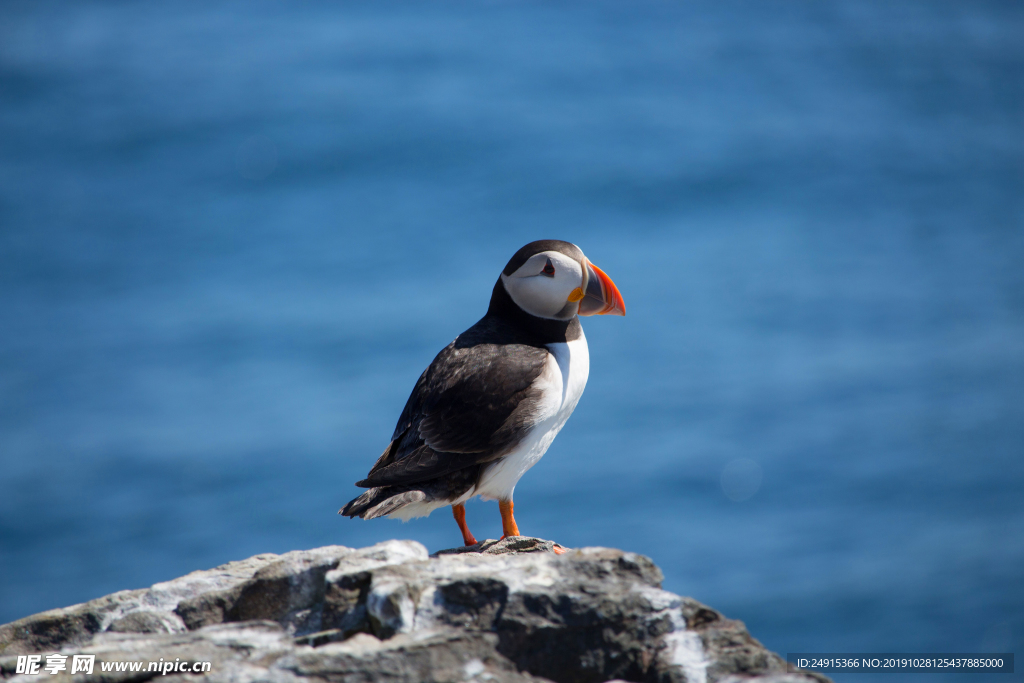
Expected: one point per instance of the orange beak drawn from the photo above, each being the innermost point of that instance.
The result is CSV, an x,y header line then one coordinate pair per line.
x,y
601,296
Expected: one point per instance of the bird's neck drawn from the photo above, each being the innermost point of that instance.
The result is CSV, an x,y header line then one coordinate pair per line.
x,y
544,330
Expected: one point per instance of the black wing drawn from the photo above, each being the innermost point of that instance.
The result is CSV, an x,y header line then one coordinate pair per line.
x,y
473,404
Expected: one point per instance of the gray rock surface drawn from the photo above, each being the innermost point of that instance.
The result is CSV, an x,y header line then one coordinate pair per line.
x,y
502,611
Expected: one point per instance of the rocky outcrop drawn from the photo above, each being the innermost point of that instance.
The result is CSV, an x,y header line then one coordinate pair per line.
x,y
509,611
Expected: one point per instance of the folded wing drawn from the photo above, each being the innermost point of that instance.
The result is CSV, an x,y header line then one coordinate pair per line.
x,y
474,403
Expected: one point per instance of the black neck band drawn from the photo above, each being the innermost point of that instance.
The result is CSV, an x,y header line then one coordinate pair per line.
x,y
544,330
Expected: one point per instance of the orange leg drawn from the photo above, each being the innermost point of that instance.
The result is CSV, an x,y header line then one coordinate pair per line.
x,y
459,511
508,522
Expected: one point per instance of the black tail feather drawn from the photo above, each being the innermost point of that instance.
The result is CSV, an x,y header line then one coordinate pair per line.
x,y
381,501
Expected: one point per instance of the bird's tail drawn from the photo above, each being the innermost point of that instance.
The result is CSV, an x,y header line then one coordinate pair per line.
x,y
380,501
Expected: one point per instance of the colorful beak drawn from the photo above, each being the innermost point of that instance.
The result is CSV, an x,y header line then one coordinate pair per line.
x,y
601,296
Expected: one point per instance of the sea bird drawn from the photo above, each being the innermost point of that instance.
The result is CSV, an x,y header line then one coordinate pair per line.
x,y
489,405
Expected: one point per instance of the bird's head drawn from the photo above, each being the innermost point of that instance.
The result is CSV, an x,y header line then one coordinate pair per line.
x,y
554,280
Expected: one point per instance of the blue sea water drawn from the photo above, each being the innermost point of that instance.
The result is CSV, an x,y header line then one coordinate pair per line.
x,y
233,234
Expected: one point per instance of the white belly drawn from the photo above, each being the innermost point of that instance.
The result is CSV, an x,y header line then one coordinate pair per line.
x,y
563,380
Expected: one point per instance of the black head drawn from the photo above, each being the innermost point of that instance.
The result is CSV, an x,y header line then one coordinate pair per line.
x,y
533,248
548,283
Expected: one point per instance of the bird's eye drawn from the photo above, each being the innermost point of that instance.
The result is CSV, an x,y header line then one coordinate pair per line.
x,y
549,269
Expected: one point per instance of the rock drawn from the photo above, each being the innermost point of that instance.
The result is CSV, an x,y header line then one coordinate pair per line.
x,y
503,611
428,656
508,546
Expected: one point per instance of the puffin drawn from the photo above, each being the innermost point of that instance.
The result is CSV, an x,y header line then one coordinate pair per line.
x,y
490,404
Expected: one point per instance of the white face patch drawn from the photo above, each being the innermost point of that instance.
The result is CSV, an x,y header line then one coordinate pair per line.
x,y
542,285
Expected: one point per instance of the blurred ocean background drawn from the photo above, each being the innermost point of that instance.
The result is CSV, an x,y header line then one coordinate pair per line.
x,y
233,234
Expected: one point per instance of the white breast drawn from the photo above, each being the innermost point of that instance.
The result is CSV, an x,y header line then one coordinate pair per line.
x,y
561,384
